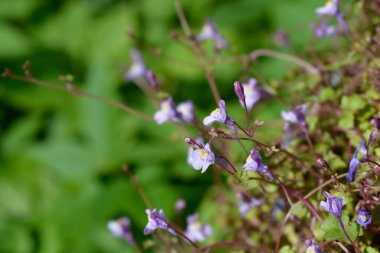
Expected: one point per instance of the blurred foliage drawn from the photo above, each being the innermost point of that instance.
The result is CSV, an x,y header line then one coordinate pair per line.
x,y
61,156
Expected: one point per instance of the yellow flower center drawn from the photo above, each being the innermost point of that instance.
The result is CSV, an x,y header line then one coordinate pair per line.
x,y
363,218
217,111
329,2
248,90
310,250
196,226
165,106
203,153
249,159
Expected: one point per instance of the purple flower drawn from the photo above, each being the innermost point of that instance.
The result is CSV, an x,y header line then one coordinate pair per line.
x,y
152,80
331,8
179,205
364,218
121,228
251,92
209,32
296,115
186,111
156,220
201,158
281,38
363,148
220,115
376,123
333,205
324,30
353,168
197,231
373,137
246,203
239,90
137,69
167,111
255,163
312,248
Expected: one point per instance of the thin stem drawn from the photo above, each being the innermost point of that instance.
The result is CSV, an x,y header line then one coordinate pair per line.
x,y
348,237
230,244
185,237
290,58
182,18
30,79
242,129
137,186
214,89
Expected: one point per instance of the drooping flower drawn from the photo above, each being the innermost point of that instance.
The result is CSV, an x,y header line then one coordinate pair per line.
x,y
246,203
353,168
156,220
137,69
186,111
121,228
312,248
364,218
201,157
210,32
255,163
197,231
167,111
220,115
333,205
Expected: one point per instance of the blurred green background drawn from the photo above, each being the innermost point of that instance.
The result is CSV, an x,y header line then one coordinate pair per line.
x,y
61,156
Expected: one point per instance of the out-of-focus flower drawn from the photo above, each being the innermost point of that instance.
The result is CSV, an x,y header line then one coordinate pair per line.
x,y
179,205
246,203
156,220
255,163
353,168
331,8
375,122
252,93
281,39
296,115
152,80
373,137
312,248
197,231
186,111
333,205
167,111
278,206
210,32
220,115
363,149
364,218
121,228
201,158
137,69
324,30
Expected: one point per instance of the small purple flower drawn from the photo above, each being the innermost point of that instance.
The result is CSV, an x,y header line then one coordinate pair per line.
x,y
156,220
333,205
296,115
375,122
251,92
353,168
167,111
324,30
255,163
220,115
137,69
121,228
186,111
364,218
312,248
281,38
179,205
152,80
373,137
246,203
201,158
197,231
209,32
363,149
331,8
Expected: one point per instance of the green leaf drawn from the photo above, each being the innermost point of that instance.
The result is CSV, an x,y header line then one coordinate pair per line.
x,y
333,230
354,102
346,120
370,250
287,249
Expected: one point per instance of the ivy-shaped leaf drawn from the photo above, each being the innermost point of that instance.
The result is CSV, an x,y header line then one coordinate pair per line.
x,y
333,230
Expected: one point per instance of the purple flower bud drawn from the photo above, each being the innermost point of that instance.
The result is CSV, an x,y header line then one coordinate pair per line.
x,y
152,80
353,168
324,30
201,158
375,122
209,32
373,137
137,69
220,115
156,220
121,228
197,231
180,204
364,218
333,205
255,163
312,248
167,112
186,111
239,90
247,203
